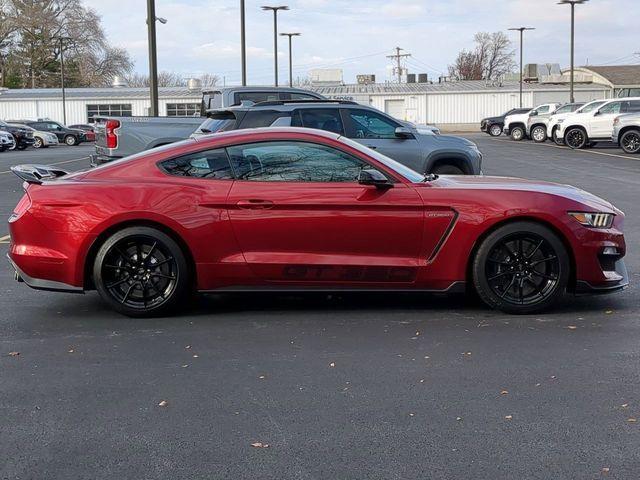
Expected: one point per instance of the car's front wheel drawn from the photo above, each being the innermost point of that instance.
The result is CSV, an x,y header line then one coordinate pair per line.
x,y
495,130
576,138
37,143
522,267
448,170
539,134
141,272
630,141
70,140
517,133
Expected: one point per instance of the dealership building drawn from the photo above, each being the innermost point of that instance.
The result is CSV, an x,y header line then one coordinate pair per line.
x,y
449,104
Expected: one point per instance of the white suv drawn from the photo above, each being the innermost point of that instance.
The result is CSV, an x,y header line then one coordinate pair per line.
x,y
580,131
559,118
516,125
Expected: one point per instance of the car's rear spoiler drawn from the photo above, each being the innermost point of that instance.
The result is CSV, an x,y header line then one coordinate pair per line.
x,y
31,173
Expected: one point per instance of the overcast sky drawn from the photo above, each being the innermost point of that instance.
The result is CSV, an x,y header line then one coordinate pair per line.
x,y
355,35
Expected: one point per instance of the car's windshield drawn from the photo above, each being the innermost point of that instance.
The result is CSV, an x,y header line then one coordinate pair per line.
x,y
590,106
566,109
217,124
400,169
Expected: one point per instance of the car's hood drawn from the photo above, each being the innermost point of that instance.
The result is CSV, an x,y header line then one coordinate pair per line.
x,y
503,184
452,141
492,119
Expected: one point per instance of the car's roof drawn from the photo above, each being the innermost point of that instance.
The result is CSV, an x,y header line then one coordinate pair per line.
x,y
287,106
275,131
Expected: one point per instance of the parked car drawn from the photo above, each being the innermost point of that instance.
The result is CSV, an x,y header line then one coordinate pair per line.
x,y
298,209
626,132
69,136
558,118
87,129
516,125
6,141
420,150
118,137
494,125
580,131
537,124
40,139
23,137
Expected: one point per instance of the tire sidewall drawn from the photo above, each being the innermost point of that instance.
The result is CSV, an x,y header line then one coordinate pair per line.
x,y
632,132
517,134
38,143
584,143
498,130
543,138
453,170
183,282
70,140
480,259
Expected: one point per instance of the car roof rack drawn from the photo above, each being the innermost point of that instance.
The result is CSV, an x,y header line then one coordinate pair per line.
x,y
271,103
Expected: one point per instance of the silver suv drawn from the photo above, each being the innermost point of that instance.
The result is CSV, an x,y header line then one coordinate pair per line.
x,y
412,146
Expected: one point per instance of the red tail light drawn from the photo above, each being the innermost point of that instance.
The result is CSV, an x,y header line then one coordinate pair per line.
x,y
110,129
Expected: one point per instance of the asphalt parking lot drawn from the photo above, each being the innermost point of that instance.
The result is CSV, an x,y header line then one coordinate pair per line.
x,y
332,387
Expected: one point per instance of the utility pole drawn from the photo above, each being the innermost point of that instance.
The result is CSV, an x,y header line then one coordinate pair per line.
x,y
64,96
290,35
275,36
521,30
573,4
243,44
153,57
398,57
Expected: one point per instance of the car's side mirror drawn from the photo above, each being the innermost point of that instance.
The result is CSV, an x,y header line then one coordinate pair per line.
x,y
371,176
403,132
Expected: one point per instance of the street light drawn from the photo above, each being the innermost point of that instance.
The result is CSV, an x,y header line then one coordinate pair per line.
x,y
153,56
275,35
521,30
573,4
64,96
290,35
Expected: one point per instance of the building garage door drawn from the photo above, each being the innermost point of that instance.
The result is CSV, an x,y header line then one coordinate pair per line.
x,y
395,108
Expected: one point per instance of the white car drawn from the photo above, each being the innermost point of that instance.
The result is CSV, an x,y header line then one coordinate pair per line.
x,y
40,139
7,141
516,125
559,118
580,131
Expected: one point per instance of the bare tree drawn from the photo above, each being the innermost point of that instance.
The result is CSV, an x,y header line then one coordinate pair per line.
x,y
492,58
170,79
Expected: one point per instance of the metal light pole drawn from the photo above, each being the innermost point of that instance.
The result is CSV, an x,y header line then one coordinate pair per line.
x,y
290,35
573,4
521,30
275,35
243,44
64,95
153,56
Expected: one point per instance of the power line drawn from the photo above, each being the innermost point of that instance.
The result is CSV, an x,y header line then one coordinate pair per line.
x,y
398,57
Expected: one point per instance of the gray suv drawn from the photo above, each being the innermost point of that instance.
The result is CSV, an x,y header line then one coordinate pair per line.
x,y
420,150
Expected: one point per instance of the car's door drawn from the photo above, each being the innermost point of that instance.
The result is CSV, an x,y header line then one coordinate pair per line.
x,y
378,131
300,216
601,124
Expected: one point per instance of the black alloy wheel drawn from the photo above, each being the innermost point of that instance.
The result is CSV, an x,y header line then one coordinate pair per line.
x,y
141,271
521,268
630,141
576,138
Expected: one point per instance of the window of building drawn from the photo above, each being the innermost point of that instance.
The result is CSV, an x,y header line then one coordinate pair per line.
x,y
183,109
208,164
293,162
110,110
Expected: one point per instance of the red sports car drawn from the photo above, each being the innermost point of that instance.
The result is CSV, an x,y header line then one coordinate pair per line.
x,y
297,209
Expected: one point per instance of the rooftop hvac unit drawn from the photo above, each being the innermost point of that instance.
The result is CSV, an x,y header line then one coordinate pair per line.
x,y
194,84
530,72
365,79
411,78
119,82
423,78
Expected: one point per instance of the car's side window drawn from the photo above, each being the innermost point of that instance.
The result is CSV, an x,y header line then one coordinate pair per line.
x,y
320,118
633,106
613,107
543,110
366,124
291,161
260,118
208,164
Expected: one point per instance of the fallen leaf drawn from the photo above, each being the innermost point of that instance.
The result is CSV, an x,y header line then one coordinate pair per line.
x,y
624,405
459,419
187,347
260,445
185,366
332,364
412,414
195,356
508,417
504,392
14,354
422,380
632,420
572,327
70,351
163,403
261,377
538,384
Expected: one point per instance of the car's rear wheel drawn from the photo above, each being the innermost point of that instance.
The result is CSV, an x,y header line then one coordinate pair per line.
x,y
495,130
517,133
539,134
557,140
522,267
141,272
576,138
448,170
630,141
70,140
37,143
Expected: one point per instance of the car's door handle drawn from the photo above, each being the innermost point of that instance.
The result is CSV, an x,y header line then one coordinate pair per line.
x,y
255,204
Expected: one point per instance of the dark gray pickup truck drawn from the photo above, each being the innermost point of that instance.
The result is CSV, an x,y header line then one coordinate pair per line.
x,y
118,137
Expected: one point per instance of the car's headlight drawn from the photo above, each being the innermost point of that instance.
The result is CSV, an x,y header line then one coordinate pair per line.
x,y
594,220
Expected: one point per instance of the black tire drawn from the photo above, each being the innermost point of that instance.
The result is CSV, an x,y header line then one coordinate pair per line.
x,y
141,272
517,134
71,140
522,267
539,134
22,147
556,139
495,130
630,141
37,143
576,138
447,170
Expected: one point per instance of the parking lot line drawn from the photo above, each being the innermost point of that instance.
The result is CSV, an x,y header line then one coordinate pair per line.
x,y
567,148
4,239
55,163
